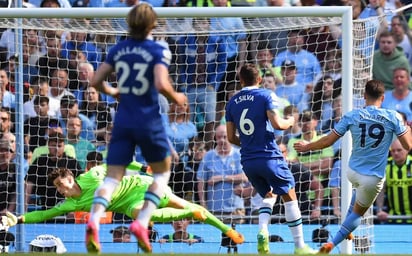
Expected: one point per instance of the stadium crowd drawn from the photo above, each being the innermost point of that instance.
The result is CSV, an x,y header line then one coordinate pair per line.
x,y
68,124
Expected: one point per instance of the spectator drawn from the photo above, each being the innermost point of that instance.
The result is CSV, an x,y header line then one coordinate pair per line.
x,y
269,82
325,91
180,234
236,50
53,59
319,41
319,162
96,111
181,132
6,124
292,90
402,36
387,58
54,127
332,65
81,145
39,86
196,154
121,234
307,65
86,73
202,66
264,60
35,127
93,158
78,41
36,178
400,97
7,176
28,73
219,172
70,108
295,130
8,99
397,186
58,82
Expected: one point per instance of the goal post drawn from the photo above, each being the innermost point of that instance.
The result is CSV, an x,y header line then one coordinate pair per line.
x,y
354,70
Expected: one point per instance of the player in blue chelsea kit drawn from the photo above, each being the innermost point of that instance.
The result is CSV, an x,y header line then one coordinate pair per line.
x,y
141,66
373,130
254,113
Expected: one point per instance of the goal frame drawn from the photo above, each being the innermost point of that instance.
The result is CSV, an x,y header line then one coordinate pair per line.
x,y
345,12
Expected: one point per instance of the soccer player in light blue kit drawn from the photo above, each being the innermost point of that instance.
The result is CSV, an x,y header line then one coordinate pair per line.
x,y
141,66
254,113
373,129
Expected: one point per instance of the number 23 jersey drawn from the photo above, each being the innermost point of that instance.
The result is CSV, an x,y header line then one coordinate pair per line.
x,y
134,62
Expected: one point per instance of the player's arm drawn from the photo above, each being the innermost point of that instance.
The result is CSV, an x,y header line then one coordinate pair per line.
x,y
163,85
11,220
324,142
101,74
406,139
278,122
231,134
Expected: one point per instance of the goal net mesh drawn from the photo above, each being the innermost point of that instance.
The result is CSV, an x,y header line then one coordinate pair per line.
x,y
299,57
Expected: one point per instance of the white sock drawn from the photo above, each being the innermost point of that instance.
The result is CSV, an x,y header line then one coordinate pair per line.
x,y
160,182
265,212
103,195
294,220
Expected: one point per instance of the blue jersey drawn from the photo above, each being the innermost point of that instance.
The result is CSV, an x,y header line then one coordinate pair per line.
x,y
247,110
373,130
134,63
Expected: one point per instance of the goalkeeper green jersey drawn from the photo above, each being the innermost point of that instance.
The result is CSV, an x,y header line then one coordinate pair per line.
x,y
128,195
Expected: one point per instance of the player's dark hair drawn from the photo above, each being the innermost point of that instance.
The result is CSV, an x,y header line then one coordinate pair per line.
x,y
59,172
374,89
249,74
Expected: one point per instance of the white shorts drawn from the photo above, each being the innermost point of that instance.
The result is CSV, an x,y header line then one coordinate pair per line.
x,y
367,187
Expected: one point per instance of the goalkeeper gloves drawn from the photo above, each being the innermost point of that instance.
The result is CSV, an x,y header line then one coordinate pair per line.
x,y
9,220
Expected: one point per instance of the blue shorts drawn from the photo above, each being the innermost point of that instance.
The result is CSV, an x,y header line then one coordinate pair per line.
x,y
153,144
269,175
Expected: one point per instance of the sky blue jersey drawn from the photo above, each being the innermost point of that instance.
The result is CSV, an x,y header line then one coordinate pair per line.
x,y
134,63
247,110
373,130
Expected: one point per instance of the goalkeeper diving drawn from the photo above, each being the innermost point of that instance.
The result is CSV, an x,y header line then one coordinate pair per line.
x,y
128,199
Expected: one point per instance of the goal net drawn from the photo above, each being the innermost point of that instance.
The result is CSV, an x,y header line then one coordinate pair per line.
x,y
301,56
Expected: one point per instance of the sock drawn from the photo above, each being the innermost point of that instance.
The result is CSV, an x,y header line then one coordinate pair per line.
x,y
101,200
170,214
352,203
265,212
152,197
294,221
211,219
351,222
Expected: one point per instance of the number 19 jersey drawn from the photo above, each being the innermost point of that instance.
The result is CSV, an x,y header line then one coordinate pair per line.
x,y
247,110
373,130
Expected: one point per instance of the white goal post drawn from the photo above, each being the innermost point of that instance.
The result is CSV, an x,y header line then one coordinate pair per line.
x,y
20,18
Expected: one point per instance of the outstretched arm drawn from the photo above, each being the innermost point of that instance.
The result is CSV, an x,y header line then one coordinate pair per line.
x,y
324,142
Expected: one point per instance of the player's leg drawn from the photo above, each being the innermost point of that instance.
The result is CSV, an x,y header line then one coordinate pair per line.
x,y
120,154
258,173
201,214
156,150
283,185
367,189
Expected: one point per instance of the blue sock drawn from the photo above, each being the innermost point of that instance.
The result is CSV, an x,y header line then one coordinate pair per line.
x,y
351,222
352,202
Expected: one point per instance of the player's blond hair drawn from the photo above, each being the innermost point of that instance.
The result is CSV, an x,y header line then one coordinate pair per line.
x,y
141,19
